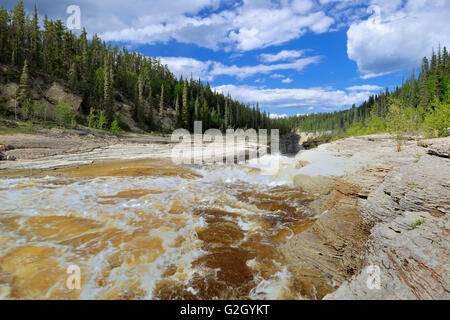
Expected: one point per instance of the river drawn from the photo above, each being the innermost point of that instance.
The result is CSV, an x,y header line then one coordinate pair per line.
x,y
151,230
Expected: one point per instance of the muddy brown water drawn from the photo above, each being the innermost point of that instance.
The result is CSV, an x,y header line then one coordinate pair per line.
x,y
150,230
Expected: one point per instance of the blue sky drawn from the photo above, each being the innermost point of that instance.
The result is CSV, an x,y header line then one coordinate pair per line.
x,y
291,56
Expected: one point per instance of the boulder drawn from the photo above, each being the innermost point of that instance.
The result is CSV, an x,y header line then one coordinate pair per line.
x,y
10,89
314,184
56,94
300,164
125,112
436,147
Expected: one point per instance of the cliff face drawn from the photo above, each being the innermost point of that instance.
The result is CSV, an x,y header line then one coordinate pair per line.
x,y
380,211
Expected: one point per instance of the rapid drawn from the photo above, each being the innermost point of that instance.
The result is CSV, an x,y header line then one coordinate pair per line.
x,y
151,230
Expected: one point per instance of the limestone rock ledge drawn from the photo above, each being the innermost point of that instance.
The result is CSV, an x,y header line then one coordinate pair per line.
x,y
386,210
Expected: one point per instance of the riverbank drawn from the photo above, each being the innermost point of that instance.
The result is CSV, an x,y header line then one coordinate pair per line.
x,y
50,149
379,210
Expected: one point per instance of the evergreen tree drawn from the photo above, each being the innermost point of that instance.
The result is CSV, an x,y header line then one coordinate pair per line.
x,y
149,108
18,34
196,109
4,36
161,103
177,110
205,114
35,41
85,66
23,91
227,115
73,77
108,94
141,101
185,107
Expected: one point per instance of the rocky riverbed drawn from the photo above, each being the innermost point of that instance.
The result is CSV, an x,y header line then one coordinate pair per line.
x,y
380,210
351,219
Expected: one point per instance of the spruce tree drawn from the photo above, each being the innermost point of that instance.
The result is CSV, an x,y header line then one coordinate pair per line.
x,y
18,34
73,77
227,115
23,91
150,106
85,66
108,94
177,110
205,114
35,41
185,107
161,103
4,36
141,101
196,109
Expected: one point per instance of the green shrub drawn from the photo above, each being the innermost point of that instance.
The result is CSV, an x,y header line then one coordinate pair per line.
x,y
5,110
357,129
40,110
91,118
101,122
401,119
376,124
64,115
29,126
437,121
123,124
27,109
115,128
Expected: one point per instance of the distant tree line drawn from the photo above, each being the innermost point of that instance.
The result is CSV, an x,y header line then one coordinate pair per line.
x,y
419,104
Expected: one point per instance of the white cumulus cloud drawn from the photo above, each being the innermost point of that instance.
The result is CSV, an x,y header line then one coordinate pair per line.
x,y
209,70
398,35
213,24
290,98
282,55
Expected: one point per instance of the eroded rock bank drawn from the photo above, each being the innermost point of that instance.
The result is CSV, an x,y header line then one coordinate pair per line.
x,y
379,211
57,149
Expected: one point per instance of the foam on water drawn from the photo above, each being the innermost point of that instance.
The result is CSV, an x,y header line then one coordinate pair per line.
x,y
138,237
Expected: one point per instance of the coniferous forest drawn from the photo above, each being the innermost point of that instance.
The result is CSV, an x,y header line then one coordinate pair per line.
x,y
102,75
420,104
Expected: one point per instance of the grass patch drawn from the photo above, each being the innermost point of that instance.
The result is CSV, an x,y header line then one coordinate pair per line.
x,y
417,159
418,222
29,127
